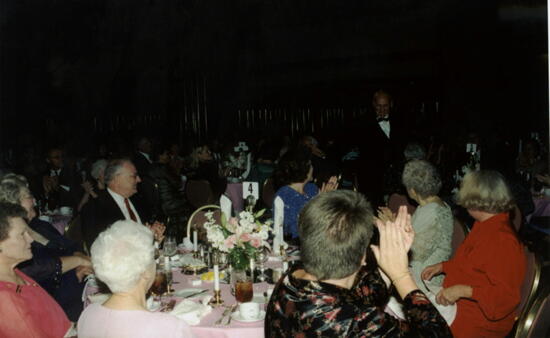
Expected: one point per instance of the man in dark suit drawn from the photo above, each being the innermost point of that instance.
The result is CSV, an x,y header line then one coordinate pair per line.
x,y
114,203
381,142
59,183
142,158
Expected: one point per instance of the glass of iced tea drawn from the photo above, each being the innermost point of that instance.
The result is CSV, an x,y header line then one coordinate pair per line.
x,y
244,291
160,285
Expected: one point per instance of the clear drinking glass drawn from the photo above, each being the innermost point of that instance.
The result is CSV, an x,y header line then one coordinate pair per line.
x,y
261,258
170,246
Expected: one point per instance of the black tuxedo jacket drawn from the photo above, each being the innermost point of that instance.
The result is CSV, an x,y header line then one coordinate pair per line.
x,y
98,214
377,152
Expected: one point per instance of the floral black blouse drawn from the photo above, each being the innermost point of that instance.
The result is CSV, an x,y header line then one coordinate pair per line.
x,y
300,308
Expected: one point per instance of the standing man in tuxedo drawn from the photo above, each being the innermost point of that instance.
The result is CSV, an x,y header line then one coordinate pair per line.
x,y
114,203
380,140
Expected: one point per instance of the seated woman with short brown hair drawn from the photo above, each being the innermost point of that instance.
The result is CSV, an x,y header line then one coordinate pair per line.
x,y
334,294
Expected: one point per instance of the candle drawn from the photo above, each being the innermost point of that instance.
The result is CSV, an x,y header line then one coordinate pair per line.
x,y
202,251
195,244
167,266
252,269
216,278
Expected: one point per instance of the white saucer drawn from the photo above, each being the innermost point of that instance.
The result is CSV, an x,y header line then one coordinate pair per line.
x,y
237,316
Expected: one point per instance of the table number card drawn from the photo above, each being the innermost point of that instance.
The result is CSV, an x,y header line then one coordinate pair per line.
x,y
251,188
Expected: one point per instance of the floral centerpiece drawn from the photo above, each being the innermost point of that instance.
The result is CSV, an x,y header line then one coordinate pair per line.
x,y
239,238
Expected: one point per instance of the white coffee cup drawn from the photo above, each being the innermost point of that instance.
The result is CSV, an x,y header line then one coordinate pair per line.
x,y
249,310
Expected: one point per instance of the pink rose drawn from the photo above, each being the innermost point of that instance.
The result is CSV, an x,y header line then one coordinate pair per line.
x,y
256,242
230,242
245,237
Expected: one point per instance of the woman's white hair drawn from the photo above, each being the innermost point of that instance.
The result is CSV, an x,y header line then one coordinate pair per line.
x,y
121,254
97,167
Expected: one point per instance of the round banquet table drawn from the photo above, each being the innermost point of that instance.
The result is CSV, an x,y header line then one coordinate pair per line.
x,y
206,328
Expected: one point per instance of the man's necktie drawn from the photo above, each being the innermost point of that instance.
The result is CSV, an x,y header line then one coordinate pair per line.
x,y
130,212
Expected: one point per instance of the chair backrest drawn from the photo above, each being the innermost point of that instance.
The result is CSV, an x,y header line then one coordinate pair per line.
x,y
268,192
535,322
396,200
517,218
198,218
459,234
73,230
199,193
530,283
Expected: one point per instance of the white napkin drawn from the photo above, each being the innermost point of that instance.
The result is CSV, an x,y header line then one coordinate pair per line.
x,y
90,284
192,312
187,244
188,260
99,298
447,312
225,205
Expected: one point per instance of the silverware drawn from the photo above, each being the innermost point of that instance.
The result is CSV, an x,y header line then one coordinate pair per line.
x,y
195,294
225,312
169,307
233,308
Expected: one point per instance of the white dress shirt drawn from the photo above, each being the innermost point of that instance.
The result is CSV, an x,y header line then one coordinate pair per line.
x,y
119,199
385,125
53,173
146,157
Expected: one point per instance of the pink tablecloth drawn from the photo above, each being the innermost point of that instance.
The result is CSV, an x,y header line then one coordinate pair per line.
x,y
206,328
235,193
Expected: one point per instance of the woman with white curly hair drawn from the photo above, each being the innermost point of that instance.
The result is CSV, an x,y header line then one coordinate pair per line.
x,y
123,258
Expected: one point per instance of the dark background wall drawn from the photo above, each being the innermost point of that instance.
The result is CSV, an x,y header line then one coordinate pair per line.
x,y
89,68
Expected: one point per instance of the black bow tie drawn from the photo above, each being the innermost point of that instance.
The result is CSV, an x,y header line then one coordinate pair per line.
x,y
380,119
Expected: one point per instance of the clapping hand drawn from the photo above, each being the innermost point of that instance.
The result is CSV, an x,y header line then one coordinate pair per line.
x,y
83,271
89,188
385,215
396,239
330,185
158,230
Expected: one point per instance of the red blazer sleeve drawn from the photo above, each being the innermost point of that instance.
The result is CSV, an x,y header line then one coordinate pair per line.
x,y
502,271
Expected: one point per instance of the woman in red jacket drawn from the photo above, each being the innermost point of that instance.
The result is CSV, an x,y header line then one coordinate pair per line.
x,y
485,275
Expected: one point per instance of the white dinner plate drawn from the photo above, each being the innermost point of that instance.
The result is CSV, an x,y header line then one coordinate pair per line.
x,y
237,316
188,292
